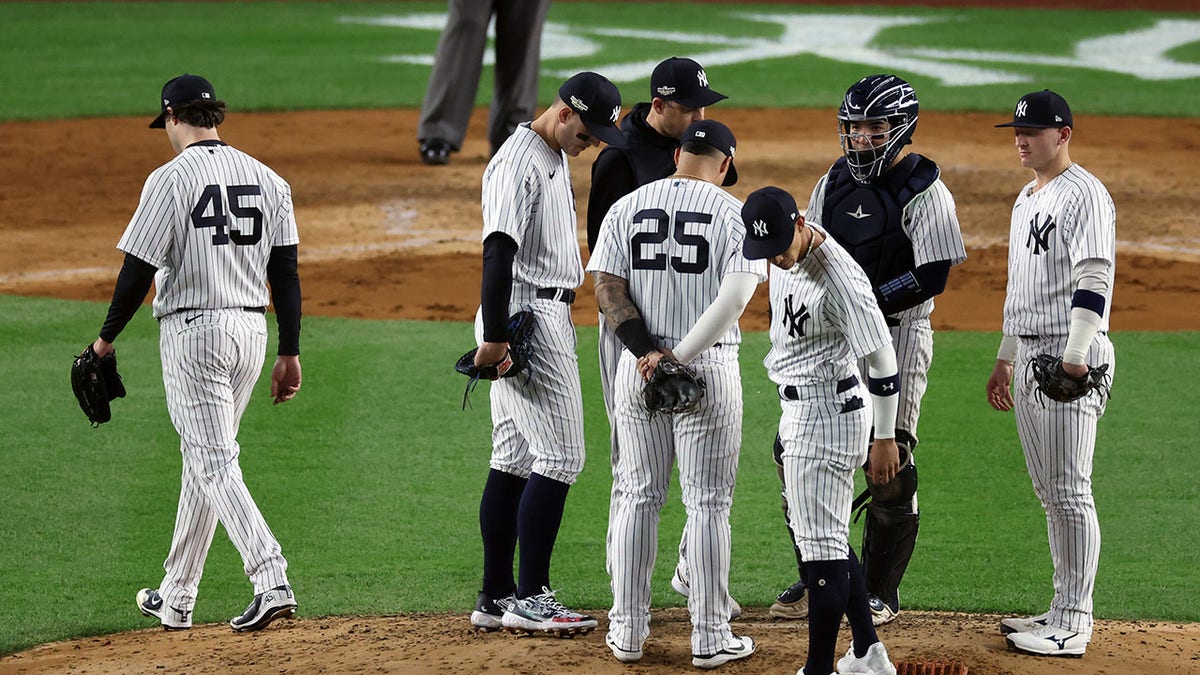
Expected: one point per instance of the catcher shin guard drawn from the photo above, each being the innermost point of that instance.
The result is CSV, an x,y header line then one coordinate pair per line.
x,y
890,533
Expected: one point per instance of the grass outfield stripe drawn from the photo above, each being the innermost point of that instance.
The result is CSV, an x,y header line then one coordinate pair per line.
x,y
70,59
371,480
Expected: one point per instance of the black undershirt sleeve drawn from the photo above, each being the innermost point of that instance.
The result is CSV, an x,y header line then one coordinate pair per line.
x,y
284,278
499,250
133,283
612,178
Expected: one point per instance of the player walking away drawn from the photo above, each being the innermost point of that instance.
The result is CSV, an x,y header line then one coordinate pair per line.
x,y
679,95
671,282
1061,254
896,218
825,319
458,63
214,226
531,261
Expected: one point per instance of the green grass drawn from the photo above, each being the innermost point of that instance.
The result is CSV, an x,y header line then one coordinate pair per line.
x,y
371,480
80,59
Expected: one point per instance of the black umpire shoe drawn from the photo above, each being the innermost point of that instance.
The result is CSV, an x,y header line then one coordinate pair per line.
x,y
265,608
435,152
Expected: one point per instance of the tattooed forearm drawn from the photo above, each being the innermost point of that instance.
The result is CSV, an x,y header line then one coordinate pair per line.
x,y
612,295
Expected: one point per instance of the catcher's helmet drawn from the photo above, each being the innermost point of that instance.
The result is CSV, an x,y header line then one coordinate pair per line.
x,y
877,97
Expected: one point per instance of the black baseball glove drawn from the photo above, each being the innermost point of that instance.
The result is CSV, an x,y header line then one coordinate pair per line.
x,y
520,351
673,388
1057,384
96,383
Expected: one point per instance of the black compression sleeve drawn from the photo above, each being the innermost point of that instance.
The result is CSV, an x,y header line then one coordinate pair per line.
x,y
285,293
133,283
612,178
496,289
912,288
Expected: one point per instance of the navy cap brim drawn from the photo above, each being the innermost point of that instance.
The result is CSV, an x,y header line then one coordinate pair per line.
x,y
1031,125
731,176
701,99
159,122
761,249
606,132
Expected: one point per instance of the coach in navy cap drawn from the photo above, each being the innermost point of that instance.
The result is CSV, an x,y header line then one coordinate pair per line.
x,y
597,102
715,135
683,81
1043,109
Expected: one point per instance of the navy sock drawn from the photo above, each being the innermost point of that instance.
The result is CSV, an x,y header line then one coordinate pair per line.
x,y
828,590
498,525
857,611
538,519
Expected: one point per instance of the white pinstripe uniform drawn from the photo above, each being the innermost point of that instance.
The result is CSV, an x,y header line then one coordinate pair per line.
x,y
931,222
672,279
537,417
208,220
825,318
1072,218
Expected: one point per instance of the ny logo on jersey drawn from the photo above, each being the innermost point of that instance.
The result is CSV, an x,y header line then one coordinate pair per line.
x,y
760,229
1022,106
702,77
1039,235
794,320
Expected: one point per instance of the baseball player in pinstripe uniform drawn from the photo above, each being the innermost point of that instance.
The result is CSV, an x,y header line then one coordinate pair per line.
x,y
1061,256
531,261
679,95
214,226
824,319
894,216
671,282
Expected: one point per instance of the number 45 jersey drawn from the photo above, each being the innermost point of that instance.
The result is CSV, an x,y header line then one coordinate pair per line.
x,y
207,220
674,240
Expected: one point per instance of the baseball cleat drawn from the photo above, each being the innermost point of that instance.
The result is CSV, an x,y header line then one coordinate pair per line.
x,y
541,613
1022,624
881,612
792,603
489,613
679,582
279,602
435,152
151,604
1050,641
735,648
623,655
874,662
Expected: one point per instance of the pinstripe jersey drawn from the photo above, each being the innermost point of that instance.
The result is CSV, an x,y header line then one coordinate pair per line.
x,y
690,227
1072,218
207,220
527,195
931,223
824,318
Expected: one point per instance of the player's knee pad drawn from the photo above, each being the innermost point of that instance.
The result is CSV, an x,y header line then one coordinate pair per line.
x,y
900,490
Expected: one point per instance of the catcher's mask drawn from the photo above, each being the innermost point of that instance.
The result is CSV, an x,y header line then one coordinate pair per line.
x,y
877,97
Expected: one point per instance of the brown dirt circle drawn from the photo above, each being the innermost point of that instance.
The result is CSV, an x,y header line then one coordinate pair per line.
x,y
386,237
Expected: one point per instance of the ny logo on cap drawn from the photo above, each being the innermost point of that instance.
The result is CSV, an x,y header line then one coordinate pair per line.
x,y
702,77
1021,107
615,114
576,103
760,228
732,151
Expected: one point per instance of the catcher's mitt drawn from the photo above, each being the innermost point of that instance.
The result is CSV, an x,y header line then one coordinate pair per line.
x,y
520,350
672,388
1057,384
96,382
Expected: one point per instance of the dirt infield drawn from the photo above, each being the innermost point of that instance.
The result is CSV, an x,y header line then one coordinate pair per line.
x,y
384,236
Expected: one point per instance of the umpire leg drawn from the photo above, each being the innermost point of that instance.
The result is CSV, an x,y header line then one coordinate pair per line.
x,y
454,79
518,56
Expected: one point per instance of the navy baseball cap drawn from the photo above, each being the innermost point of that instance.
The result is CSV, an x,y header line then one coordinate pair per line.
x,y
597,102
180,90
717,135
1041,110
770,217
683,81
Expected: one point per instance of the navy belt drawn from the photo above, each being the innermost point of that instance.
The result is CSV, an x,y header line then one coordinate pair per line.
x,y
891,322
791,393
560,294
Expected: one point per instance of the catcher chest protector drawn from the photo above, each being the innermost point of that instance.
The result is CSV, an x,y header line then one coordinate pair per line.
x,y
866,219
890,533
